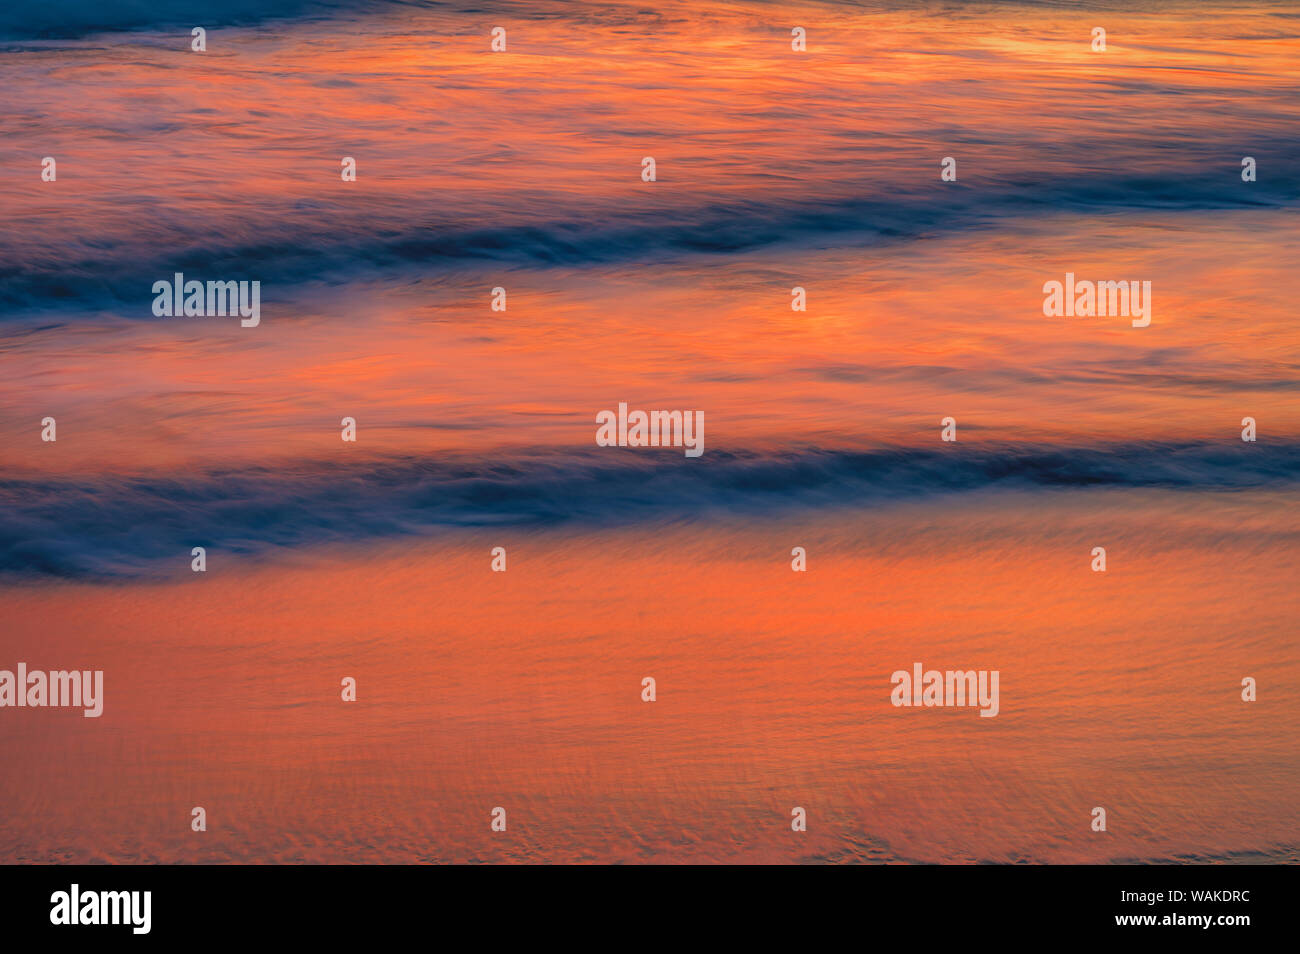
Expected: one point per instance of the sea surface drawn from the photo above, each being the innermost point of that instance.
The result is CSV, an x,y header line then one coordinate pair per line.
x,y
775,169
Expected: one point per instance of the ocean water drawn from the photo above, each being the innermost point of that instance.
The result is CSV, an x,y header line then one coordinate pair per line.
x,y
476,428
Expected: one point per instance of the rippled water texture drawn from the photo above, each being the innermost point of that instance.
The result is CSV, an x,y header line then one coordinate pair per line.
x,y
522,689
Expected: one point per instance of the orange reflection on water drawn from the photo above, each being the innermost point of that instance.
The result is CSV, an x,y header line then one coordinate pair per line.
x,y
522,690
